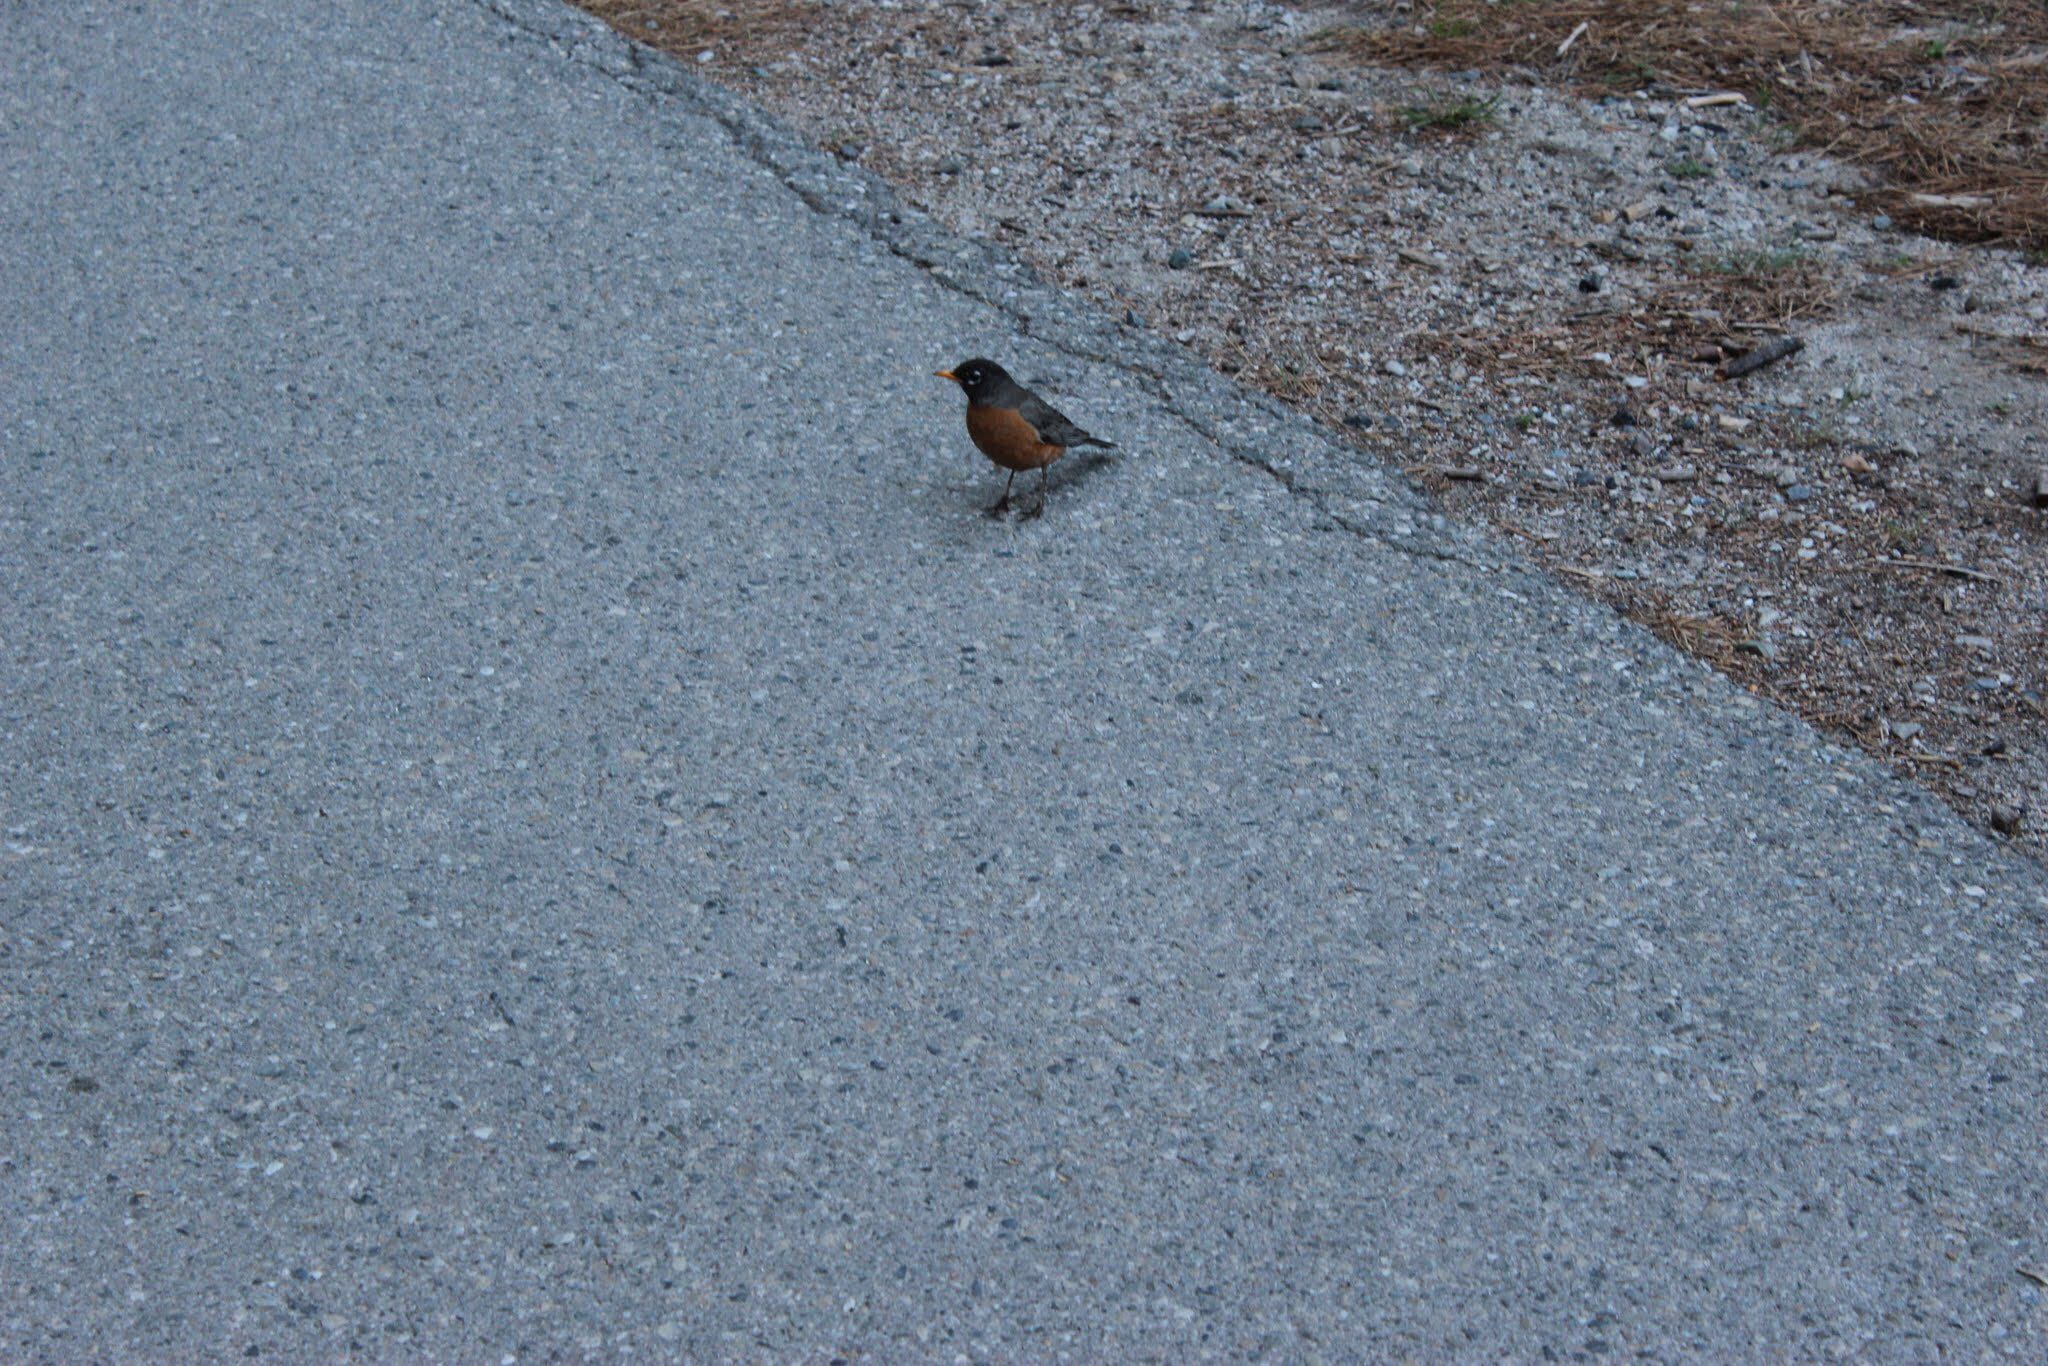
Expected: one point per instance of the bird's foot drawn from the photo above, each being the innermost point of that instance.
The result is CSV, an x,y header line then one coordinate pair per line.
x,y
998,507
1036,510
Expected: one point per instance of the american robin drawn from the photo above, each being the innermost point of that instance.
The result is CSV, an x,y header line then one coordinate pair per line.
x,y
1013,426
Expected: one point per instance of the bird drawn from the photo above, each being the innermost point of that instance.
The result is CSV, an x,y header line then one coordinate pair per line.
x,y
1014,427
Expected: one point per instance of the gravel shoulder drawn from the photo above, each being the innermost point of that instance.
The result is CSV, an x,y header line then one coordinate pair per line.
x,y
1528,315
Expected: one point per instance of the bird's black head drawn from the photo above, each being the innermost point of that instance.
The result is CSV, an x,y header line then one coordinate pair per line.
x,y
981,379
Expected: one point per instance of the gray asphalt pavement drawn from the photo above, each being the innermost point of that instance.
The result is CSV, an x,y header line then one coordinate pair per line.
x,y
539,819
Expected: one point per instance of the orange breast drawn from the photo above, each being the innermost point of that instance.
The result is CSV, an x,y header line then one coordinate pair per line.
x,y
1006,438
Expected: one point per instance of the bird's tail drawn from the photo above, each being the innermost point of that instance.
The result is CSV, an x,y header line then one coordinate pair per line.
x,y
1096,441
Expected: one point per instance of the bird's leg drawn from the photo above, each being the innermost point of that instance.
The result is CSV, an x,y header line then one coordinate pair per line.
x,y
999,504
1038,508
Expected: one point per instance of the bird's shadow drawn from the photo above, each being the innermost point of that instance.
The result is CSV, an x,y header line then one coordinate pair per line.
x,y
1071,471
1079,467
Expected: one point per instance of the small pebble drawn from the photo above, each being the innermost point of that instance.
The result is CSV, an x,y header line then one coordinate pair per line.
x,y
1181,259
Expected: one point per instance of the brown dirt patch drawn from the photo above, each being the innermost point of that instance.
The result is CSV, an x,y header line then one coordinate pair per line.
x,y
1948,103
689,28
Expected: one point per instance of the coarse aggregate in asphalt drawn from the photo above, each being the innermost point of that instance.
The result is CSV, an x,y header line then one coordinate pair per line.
x,y
540,820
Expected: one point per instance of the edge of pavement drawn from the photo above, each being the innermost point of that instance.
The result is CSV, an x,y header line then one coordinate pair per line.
x,y
1352,490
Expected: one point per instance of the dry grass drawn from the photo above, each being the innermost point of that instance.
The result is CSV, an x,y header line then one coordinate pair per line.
x,y
1713,311
1715,639
1947,103
1721,298
687,27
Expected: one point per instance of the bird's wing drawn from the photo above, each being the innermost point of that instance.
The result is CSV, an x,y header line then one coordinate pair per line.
x,y
1053,427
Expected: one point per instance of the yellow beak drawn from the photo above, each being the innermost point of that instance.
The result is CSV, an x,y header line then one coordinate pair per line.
x,y
947,374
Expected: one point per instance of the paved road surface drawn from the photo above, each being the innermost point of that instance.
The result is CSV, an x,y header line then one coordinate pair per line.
x,y
538,818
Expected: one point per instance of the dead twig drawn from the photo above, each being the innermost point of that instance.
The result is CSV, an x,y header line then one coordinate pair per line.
x,y
1771,351
1904,562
